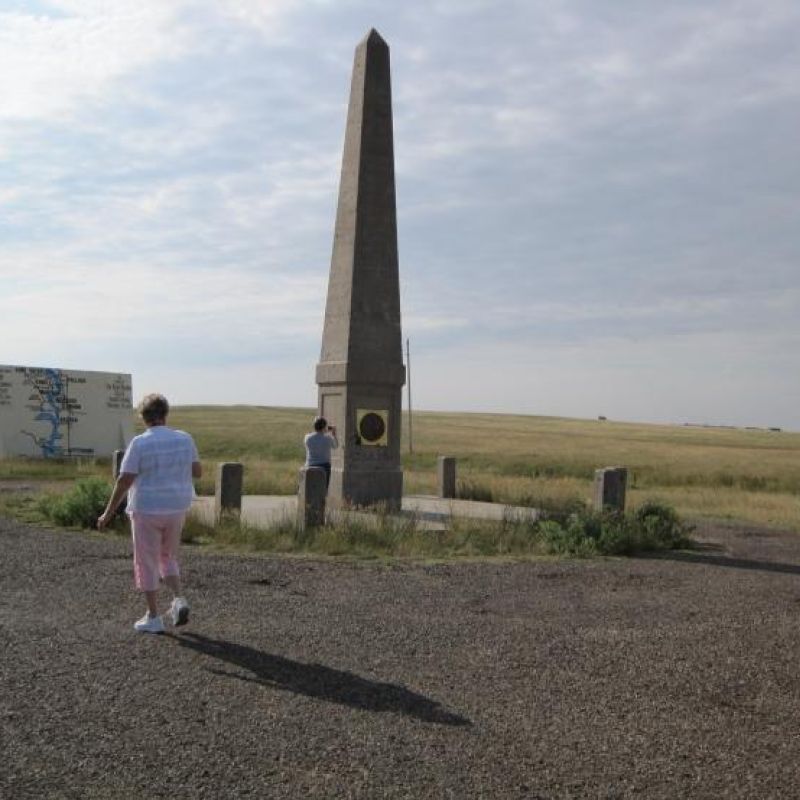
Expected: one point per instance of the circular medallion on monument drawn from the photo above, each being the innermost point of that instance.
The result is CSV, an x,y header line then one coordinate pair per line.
x,y
371,427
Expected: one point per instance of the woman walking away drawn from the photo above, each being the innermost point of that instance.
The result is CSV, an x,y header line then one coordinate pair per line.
x,y
319,445
156,472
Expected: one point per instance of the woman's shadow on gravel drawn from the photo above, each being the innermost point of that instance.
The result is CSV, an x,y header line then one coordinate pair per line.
x,y
711,557
316,680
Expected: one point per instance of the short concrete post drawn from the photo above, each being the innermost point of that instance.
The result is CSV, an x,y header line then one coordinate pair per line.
x,y
228,489
447,476
116,463
609,488
311,498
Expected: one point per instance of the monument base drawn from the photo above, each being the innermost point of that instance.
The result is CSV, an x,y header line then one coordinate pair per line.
x,y
369,487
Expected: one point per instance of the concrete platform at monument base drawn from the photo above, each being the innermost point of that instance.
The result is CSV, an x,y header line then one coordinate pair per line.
x,y
261,511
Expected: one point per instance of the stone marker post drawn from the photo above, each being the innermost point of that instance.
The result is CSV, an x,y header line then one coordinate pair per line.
x,y
609,488
116,463
311,498
447,476
360,372
228,490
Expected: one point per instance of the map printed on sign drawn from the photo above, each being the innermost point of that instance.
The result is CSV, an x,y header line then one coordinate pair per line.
x,y
59,413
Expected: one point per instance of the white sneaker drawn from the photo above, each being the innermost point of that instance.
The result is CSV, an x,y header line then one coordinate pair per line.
x,y
179,611
148,624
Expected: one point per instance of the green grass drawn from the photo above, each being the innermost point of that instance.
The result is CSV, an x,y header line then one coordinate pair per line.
x,y
753,476
52,469
578,534
23,506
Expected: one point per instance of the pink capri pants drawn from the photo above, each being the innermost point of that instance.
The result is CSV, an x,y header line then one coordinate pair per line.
x,y
156,539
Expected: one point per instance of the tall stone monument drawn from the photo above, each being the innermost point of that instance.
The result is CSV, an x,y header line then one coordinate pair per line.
x,y
360,372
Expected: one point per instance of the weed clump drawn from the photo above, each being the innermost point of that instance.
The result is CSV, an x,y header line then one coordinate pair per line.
x,y
653,526
80,506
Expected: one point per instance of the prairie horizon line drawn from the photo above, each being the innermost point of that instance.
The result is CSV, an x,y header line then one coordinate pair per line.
x,y
600,419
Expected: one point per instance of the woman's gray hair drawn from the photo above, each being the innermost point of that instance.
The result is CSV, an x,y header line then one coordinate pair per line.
x,y
154,408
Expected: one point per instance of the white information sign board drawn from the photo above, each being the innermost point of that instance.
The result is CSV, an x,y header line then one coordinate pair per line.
x,y
60,413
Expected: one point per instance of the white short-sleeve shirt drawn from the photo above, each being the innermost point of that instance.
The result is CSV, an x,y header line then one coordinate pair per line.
x,y
161,458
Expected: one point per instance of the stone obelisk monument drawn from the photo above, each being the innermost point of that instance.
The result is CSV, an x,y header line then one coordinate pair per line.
x,y
360,372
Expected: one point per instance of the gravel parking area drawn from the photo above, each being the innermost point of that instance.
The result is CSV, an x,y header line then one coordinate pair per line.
x,y
671,677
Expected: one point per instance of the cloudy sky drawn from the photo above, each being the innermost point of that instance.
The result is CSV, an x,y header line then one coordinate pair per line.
x,y
597,199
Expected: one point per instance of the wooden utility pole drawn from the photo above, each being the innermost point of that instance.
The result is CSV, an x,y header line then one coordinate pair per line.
x,y
408,385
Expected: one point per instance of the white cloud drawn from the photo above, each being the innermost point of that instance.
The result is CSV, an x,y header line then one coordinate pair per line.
x,y
51,65
527,126
85,302
265,16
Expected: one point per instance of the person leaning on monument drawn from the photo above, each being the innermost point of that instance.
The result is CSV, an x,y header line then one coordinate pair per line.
x,y
156,473
319,445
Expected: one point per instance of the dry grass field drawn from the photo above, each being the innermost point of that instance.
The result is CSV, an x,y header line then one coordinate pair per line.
x,y
748,475
703,472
